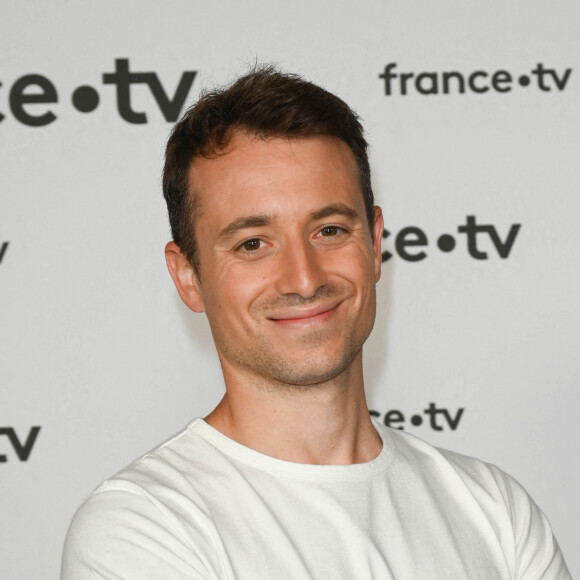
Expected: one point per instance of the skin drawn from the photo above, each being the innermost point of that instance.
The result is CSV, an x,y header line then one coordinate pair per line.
x,y
287,277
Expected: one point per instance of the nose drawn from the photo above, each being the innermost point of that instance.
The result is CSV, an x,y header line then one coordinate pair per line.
x,y
300,270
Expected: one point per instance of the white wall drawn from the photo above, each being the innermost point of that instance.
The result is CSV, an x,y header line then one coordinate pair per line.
x,y
97,349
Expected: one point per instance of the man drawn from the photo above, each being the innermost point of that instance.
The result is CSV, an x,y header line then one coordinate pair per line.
x,y
277,239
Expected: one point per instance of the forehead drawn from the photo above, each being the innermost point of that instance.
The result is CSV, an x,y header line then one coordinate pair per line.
x,y
254,174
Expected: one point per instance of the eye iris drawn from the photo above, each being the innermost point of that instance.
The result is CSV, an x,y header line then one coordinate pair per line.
x,y
251,245
329,231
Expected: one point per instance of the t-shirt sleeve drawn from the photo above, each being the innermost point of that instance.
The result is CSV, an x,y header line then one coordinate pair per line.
x,y
538,556
124,535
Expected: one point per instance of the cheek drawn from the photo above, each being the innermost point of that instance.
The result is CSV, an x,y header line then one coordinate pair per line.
x,y
233,290
357,265
359,270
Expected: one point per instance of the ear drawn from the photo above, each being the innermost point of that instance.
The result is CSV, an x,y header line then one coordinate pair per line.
x,y
378,236
184,277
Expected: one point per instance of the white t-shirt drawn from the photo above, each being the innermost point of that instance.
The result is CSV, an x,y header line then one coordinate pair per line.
x,y
202,506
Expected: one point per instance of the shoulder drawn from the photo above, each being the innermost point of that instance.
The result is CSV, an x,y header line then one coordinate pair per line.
x,y
134,523
492,488
418,455
490,495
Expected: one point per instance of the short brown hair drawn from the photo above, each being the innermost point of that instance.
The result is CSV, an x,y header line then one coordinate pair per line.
x,y
264,103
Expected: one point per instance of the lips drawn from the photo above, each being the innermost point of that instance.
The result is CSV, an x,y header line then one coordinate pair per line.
x,y
305,316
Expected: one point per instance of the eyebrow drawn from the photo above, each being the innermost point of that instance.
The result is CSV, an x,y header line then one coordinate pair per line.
x,y
252,221
256,221
334,209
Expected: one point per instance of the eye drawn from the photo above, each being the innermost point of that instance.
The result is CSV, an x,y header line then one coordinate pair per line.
x,y
251,245
327,231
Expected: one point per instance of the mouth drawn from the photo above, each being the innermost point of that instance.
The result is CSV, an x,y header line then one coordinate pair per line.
x,y
305,317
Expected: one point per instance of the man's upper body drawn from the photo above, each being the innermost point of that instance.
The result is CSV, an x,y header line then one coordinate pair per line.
x,y
277,239
202,506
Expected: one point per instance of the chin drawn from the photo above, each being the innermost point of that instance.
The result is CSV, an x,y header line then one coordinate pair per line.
x,y
316,370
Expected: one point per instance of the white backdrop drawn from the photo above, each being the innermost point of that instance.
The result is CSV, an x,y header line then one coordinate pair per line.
x,y
97,350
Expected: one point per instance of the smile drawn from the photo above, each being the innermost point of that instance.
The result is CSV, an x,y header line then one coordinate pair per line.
x,y
305,317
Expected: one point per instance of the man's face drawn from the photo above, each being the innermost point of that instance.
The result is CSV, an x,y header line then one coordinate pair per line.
x,y
287,263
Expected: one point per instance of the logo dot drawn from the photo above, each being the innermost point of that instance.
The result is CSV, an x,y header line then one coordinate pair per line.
x,y
524,80
85,99
416,420
446,243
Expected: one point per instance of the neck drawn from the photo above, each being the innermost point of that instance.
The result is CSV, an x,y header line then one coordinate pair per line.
x,y
326,424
